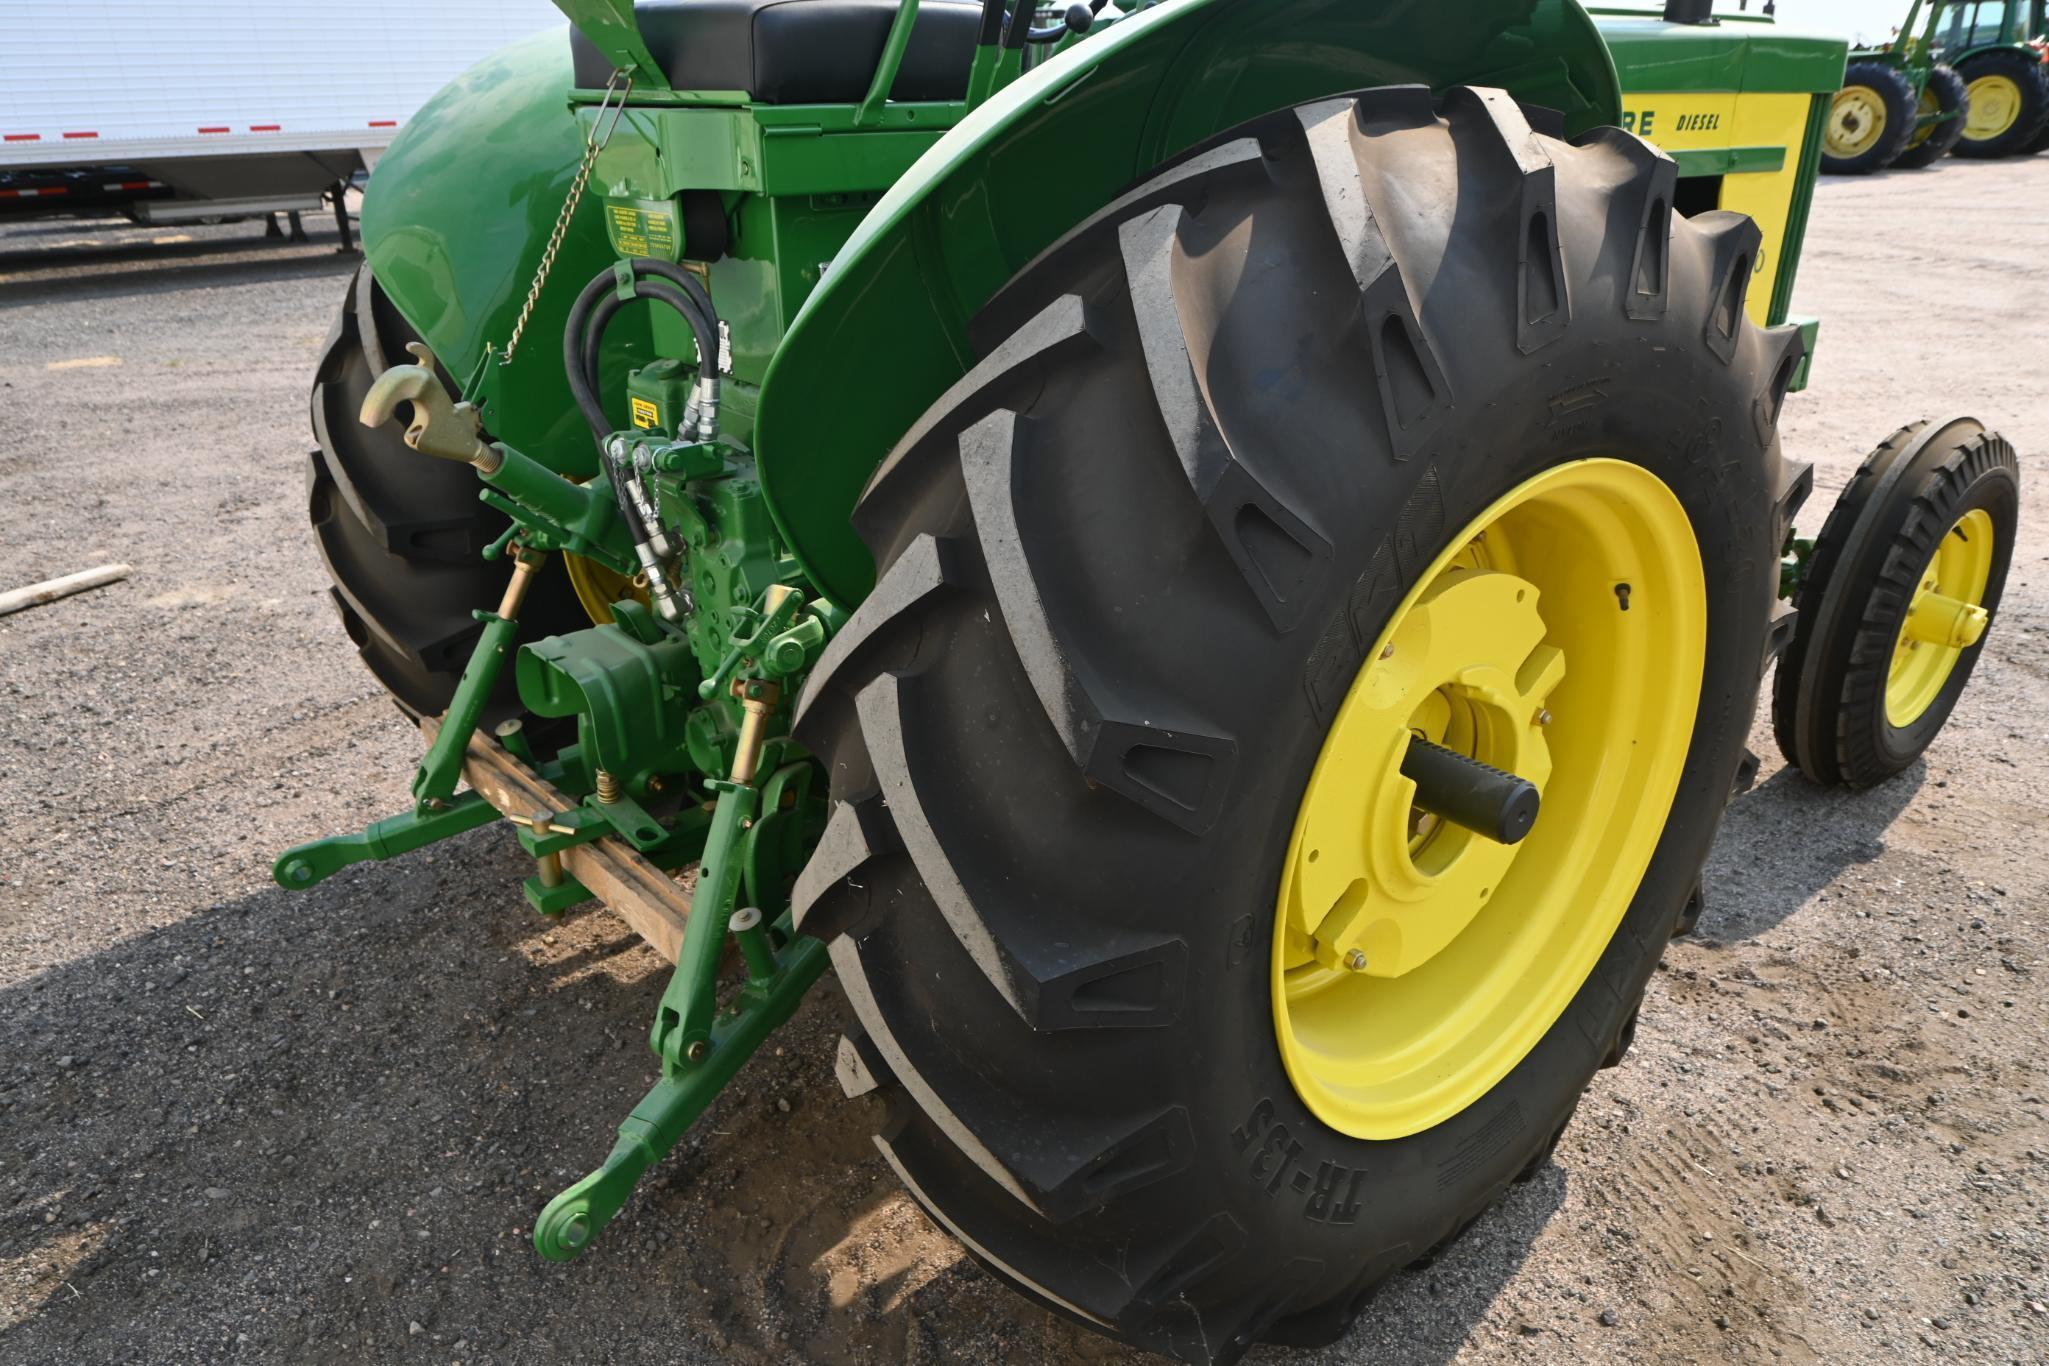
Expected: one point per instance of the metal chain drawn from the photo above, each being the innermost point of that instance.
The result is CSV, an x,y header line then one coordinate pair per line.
x,y
593,145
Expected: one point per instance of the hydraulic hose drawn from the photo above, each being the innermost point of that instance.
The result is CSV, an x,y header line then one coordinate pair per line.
x,y
690,284
583,387
582,343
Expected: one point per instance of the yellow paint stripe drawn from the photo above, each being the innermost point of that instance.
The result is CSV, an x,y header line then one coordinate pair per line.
x,y
84,363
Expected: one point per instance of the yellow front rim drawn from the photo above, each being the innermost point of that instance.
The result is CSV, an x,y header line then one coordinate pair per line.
x,y
1945,618
1856,122
1560,637
1995,108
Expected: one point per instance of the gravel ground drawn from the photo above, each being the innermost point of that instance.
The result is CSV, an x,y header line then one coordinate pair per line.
x,y
242,1125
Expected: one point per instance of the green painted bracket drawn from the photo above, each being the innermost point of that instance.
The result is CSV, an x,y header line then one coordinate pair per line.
x,y
302,867
552,901
1810,337
1731,161
576,1216
763,627
892,62
558,513
611,27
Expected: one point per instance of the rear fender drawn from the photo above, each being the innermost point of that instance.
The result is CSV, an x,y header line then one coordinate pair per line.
x,y
887,332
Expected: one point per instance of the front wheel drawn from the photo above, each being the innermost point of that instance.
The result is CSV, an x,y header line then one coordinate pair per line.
x,y
1871,121
1196,1016
1945,97
1899,592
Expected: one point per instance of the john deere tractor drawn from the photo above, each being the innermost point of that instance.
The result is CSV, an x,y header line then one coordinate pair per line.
x,y
1998,48
1901,105
1212,561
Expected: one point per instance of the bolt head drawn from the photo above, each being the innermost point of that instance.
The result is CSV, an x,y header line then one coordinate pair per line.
x,y
697,1051
1355,960
1544,717
1387,650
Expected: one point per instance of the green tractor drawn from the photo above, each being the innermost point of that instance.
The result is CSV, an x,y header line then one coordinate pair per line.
x,y
2001,50
1900,105
1212,560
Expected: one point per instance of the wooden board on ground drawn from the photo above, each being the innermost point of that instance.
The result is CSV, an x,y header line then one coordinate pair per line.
x,y
649,900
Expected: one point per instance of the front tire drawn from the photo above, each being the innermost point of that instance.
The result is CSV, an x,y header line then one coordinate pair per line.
x,y
1131,567
1871,121
1946,94
1928,522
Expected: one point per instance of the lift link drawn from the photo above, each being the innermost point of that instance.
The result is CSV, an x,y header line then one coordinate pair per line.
x,y
437,813
441,769
700,1046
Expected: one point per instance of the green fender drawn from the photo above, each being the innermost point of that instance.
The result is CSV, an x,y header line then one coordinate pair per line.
x,y
461,207
885,335
457,213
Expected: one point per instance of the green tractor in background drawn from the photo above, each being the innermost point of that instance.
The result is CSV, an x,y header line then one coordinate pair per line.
x,y
1900,105
1966,76
2001,50
1213,560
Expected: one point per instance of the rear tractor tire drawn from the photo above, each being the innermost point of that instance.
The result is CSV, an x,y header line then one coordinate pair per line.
x,y
2009,103
1945,94
1871,121
403,535
1191,1023
1899,593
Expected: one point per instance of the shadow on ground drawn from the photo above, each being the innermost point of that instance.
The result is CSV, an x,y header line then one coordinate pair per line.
x,y
295,1126
1812,834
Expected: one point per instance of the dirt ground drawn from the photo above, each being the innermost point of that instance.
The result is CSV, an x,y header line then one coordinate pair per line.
x,y
237,1124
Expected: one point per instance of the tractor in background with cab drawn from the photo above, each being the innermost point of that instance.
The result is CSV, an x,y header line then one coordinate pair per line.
x,y
2001,50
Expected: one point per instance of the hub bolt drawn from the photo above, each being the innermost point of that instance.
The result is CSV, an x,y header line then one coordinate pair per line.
x,y
1355,959
1544,717
1387,650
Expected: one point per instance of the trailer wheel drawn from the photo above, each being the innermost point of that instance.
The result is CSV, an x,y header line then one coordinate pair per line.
x,y
1871,120
1191,1022
402,535
2009,103
1945,94
1899,592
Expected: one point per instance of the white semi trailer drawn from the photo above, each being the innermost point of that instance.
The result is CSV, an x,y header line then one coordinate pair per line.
x,y
175,110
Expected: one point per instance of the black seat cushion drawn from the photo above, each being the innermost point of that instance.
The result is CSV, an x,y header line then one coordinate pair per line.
x,y
797,51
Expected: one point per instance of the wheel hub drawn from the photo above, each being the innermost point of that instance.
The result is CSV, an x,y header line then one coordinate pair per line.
x,y
1856,121
1385,884
1944,619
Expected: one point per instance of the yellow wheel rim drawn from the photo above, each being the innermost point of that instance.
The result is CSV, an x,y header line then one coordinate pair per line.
x,y
1995,108
1415,964
1930,106
597,587
1945,618
1856,122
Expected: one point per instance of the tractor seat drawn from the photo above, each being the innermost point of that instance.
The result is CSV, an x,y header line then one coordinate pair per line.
x,y
797,51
